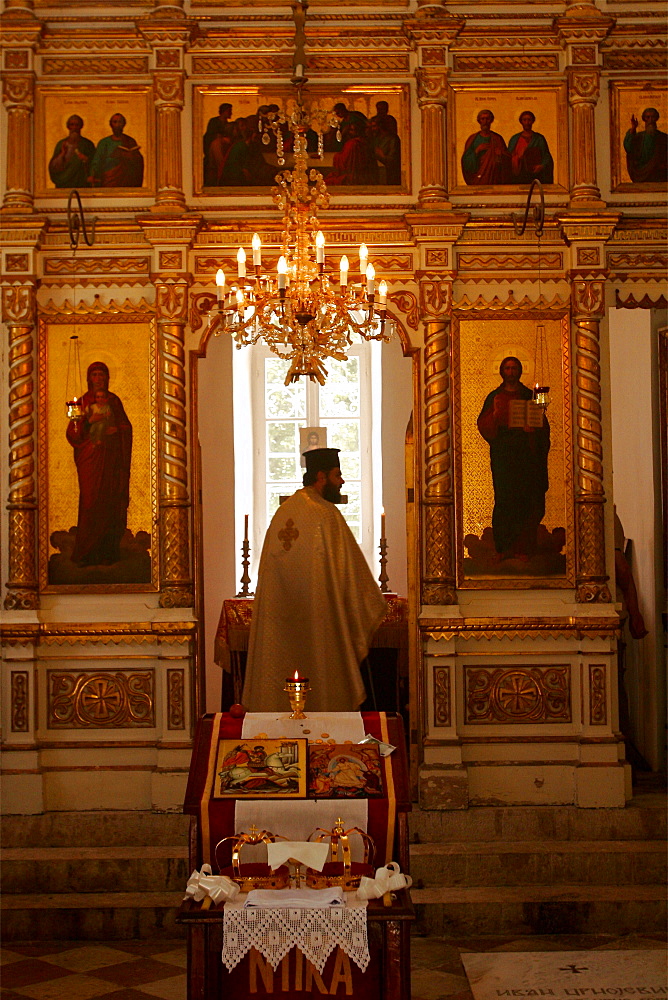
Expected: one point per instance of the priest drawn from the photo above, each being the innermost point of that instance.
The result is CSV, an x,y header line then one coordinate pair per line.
x,y
316,603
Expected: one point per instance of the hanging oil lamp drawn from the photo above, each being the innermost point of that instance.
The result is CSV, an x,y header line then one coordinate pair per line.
x,y
73,403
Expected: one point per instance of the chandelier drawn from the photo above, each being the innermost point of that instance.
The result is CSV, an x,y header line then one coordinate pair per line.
x,y
303,314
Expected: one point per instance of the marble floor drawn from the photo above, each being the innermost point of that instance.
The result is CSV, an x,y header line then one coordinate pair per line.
x,y
141,970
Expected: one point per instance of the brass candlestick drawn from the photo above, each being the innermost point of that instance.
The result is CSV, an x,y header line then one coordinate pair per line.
x,y
245,562
296,689
383,579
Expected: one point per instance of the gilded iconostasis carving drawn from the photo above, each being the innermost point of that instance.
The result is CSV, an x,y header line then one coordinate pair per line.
x,y
441,117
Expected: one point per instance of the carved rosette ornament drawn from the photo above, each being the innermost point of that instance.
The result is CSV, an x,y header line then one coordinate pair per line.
x,y
168,93
438,500
432,96
583,93
18,312
174,502
591,576
18,97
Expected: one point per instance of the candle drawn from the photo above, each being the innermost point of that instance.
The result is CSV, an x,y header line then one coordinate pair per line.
x,y
299,70
282,268
257,250
296,679
364,257
382,523
382,294
319,247
241,262
245,527
370,280
220,282
343,271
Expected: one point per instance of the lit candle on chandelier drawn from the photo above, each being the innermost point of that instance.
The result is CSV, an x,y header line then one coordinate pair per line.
x,y
257,250
382,294
370,280
220,283
364,257
319,247
241,262
282,268
240,302
343,272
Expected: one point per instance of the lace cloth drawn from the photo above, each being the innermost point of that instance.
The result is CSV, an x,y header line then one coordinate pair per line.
x,y
316,932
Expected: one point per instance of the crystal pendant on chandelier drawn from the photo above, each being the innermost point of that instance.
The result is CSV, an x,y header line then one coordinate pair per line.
x,y
301,312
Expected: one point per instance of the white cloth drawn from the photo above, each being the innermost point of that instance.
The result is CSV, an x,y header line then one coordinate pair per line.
x,y
316,608
218,887
299,898
295,819
339,726
387,879
316,931
312,855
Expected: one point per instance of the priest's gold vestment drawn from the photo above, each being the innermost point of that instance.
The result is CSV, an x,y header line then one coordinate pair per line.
x,y
316,608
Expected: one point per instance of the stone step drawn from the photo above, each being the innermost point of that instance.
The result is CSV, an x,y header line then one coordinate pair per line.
x,y
580,862
527,910
123,828
645,818
103,916
93,869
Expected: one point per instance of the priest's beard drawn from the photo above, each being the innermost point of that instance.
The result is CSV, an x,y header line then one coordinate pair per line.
x,y
332,493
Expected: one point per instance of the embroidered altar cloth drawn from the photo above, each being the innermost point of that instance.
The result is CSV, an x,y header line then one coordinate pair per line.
x,y
315,931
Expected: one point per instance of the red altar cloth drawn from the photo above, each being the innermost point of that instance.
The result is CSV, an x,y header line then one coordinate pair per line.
x,y
387,817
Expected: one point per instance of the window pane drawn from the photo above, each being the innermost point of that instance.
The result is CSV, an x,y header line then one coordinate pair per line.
x,y
352,510
343,434
282,437
282,400
340,396
282,469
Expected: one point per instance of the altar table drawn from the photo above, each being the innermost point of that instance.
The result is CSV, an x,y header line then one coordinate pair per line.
x,y
387,976
232,634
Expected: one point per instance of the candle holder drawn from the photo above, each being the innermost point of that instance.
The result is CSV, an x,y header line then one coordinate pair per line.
x,y
245,563
541,395
383,579
74,409
296,689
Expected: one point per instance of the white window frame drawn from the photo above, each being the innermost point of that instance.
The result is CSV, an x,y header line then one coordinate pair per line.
x,y
250,446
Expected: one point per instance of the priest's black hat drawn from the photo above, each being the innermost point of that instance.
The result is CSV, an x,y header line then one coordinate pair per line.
x,y
321,460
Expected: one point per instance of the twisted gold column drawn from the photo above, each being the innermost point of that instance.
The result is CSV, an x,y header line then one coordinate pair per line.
x,y
591,576
583,91
18,97
18,307
438,580
432,93
168,89
174,502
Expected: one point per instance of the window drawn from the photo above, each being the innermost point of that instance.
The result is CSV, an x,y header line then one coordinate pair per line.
x,y
267,423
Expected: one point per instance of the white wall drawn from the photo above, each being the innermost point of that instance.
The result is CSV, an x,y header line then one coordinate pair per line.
x,y
397,405
221,566
636,487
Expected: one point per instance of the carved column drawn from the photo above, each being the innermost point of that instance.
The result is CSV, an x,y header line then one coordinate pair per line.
x,y
432,96
18,308
591,577
583,91
438,586
168,90
174,502
18,97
